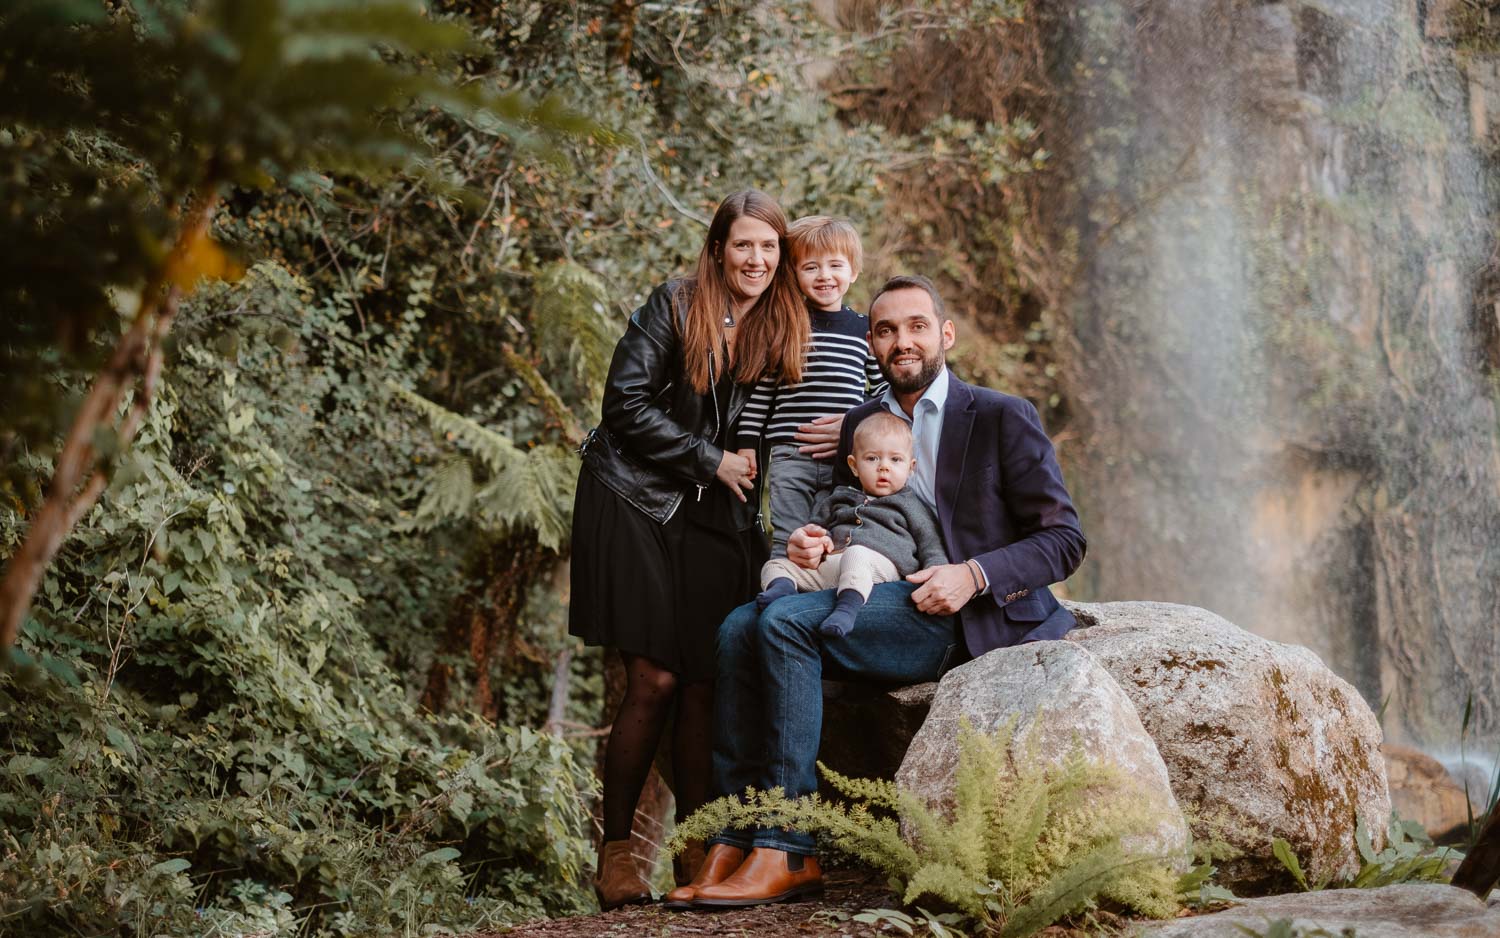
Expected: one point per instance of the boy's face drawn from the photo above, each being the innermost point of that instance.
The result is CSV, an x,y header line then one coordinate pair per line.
x,y
825,278
882,462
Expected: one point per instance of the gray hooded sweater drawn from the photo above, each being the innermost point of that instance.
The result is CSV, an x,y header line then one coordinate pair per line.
x,y
901,526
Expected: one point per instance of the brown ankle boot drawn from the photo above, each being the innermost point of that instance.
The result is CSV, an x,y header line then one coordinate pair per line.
x,y
720,862
618,881
687,862
767,875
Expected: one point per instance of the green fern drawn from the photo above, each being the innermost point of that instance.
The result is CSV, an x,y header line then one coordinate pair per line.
x,y
530,488
1025,845
570,314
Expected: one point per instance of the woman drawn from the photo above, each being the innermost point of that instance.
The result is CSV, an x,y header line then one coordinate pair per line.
x,y
665,532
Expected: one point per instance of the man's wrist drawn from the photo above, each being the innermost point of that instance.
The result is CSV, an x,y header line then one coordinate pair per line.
x,y
977,573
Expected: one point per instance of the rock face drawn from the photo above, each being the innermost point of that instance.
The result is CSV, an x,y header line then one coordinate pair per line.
x,y
1061,691
1410,911
1423,791
1260,739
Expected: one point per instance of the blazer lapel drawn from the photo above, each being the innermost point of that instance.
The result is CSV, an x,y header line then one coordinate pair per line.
x,y
953,447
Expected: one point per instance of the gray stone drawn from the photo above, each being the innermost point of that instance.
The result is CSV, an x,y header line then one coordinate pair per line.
x,y
1409,911
1061,692
1260,739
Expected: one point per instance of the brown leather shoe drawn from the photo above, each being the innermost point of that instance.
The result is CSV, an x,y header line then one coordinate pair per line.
x,y
618,880
688,862
766,876
720,863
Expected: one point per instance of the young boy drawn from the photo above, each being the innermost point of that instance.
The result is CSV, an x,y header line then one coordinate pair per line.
x,y
826,256
878,535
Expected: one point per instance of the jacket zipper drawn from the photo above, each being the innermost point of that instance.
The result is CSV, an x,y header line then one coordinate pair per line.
x,y
713,390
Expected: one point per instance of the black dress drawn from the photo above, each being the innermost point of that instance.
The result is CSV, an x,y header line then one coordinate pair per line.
x,y
661,590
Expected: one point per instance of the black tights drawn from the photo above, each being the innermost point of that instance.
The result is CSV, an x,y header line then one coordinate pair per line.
x,y
650,691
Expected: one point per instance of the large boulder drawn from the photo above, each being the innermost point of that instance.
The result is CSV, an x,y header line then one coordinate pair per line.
x,y
1423,791
1408,911
1058,691
1261,740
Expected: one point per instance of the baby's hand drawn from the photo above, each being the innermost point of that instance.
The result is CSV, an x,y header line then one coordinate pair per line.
x,y
807,546
750,455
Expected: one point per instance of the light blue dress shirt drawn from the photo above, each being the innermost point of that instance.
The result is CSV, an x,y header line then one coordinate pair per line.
x,y
926,430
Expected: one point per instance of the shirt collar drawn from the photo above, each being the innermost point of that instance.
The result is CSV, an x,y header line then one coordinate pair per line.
x,y
937,393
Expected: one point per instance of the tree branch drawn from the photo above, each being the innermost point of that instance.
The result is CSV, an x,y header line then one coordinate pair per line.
x,y
136,364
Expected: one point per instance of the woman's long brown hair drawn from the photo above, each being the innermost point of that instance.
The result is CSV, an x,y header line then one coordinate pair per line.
x,y
773,334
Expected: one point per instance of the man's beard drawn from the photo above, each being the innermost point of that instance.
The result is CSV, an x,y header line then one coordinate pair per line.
x,y
931,368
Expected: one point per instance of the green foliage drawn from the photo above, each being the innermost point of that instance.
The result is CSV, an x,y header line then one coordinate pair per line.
x,y
1408,857
946,925
236,751
1197,888
1490,798
532,489
220,733
1287,857
112,120
1026,845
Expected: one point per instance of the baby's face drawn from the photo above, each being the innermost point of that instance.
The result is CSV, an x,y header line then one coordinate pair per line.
x,y
882,463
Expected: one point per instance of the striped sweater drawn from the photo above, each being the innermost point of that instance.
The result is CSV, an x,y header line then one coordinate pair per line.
x,y
835,375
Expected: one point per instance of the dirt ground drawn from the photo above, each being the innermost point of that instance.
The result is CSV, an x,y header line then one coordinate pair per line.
x,y
847,893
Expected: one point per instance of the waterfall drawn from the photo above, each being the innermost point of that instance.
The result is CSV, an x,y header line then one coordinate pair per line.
x,y
1284,223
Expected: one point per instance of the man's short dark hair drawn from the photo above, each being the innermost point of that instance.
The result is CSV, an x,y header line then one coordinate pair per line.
x,y
912,282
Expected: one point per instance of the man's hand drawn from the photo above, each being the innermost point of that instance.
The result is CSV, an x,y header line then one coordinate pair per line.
x,y
944,588
820,439
807,545
749,453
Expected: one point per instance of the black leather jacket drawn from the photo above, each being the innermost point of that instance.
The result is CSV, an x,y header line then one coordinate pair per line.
x,y
654,443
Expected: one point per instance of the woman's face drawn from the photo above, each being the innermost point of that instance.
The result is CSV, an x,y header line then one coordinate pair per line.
x,y
750,255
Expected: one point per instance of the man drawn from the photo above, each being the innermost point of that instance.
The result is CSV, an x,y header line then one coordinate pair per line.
x,y
986,465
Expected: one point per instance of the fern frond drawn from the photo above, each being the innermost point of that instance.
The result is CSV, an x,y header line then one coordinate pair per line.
x,y
947,882
570,315
526,488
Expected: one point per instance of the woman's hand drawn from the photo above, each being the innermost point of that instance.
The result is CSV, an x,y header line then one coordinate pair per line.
x,y
820,438
749,454
737,472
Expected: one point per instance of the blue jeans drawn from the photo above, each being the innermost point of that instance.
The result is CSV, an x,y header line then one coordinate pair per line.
x,y
768,700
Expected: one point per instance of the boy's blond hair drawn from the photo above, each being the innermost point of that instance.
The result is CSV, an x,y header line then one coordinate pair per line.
x,y
825,234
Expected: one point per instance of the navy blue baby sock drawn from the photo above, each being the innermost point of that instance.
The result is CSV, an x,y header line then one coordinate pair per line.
x,y
779,587
840,621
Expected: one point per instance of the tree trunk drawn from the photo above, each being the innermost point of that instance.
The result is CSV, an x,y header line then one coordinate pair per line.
x,y
1480,870
82,472
485,620
621,32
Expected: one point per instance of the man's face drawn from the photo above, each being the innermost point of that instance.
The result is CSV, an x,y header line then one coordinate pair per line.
x,y
908,340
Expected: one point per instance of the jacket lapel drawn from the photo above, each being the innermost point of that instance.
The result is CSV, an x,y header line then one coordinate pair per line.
x,y
953,447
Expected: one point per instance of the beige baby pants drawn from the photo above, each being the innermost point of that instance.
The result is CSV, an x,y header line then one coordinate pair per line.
x,y
854,568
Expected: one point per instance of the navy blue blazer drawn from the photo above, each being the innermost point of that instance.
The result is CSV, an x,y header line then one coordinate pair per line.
x,y
1000,501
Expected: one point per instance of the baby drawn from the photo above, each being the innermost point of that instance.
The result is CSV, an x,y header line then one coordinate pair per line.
x,y
878,535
